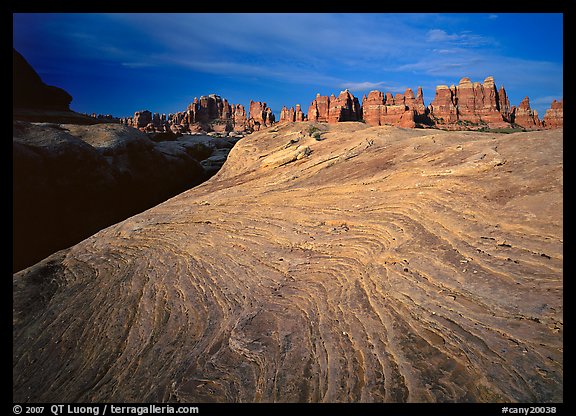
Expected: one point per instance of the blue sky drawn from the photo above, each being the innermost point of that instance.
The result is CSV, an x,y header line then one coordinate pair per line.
x,y
121,63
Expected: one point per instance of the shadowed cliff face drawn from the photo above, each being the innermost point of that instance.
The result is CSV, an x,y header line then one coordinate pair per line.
x,y
367,264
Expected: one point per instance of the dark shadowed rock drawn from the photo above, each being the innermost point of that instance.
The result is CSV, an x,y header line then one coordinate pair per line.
x,y
69,181
29,91
33,100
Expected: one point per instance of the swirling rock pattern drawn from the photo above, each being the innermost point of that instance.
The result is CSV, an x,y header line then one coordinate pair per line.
x,y
379,265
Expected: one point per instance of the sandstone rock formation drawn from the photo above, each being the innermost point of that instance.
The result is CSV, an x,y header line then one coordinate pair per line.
x,y
404,110
525,117
443,108
344,108
142,119
299,114
416,104
287,115
69,181
33,100
504,104
471,104
292,115
375,265
318,110
29,91
260,115
207,114
239,116
333,109
554,117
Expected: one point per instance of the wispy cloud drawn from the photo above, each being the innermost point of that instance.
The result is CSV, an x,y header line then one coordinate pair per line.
x,y
463,38
365,85
546,99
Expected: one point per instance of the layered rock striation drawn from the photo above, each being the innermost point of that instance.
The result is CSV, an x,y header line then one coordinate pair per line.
x,y
409,265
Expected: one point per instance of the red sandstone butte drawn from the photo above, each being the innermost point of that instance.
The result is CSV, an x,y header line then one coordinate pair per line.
x,y
442,108
379,109
403,110
239,117
504,105
287,114
209,113
471,103
554,117
374,108
291,114
299,114
333,109
260,115
141,119
525,117
318,110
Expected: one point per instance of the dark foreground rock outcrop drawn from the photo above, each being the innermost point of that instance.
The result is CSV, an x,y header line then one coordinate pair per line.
x,y
70,181
34,100
374,265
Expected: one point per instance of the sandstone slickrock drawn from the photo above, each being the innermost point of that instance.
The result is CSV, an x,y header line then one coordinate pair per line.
x,y
381,265
69,181
554,116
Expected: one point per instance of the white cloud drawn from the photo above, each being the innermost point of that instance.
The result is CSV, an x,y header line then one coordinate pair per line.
x,y
463,39
439,35
364,86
